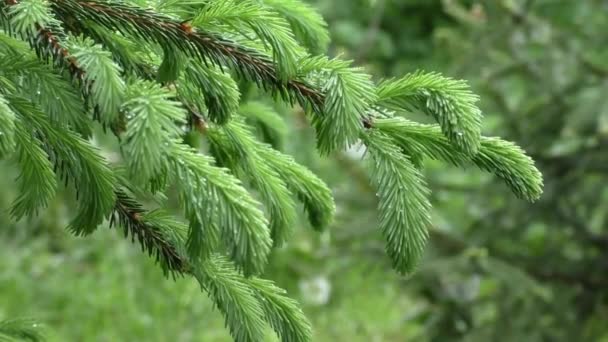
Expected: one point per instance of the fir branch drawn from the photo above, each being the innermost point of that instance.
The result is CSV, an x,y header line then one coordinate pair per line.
x,y
221,212
52,92
129,55
29,16
219,90
41,30
149,229
271,125
504,159
236,148
7,127
209,47
36,180
281,312
21,330
270,171
308,187
100,75
47,39
75,159
403,206
153,124
231,295
450,102
267,27
216,203
245,302
307,24
339,114
349,94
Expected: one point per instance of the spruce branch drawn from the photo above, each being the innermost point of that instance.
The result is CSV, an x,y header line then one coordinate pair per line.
x,y
137,22
37,182
154,120
243,313
272,126
236,148
349,95
147,228
41,30
307,24
266,26
246,303
275,174
101,77
217,205
45,35
76,160
156,73
219,90
403,203
281,312
55,95
311,190
7,127
450,102
214,201
14,330
504,159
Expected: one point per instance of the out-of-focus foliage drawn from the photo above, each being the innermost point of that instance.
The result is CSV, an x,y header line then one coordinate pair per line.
x,y
498,269
390,37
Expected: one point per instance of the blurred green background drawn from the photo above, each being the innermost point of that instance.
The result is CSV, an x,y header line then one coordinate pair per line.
x,y
497,269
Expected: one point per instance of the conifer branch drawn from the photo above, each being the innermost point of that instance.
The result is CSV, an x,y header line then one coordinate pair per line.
x,y
75,160
403,203
143,227
219,90
55,95
209,47
308,25
450,102
245,302
260,115
45,35
312,191
43,39
7,127
236,148
15,330
37,181
281,312
506,160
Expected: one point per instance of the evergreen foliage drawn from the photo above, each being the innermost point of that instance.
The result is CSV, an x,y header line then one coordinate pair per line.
x,y
15,330
156,72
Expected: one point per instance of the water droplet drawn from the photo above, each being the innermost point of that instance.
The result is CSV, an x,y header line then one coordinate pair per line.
x,y
38,92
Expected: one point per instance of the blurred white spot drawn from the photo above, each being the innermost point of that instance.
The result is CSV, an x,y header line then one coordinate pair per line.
x,y
316,290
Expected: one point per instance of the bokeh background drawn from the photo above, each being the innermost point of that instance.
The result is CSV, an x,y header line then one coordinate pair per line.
x,y
496,269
